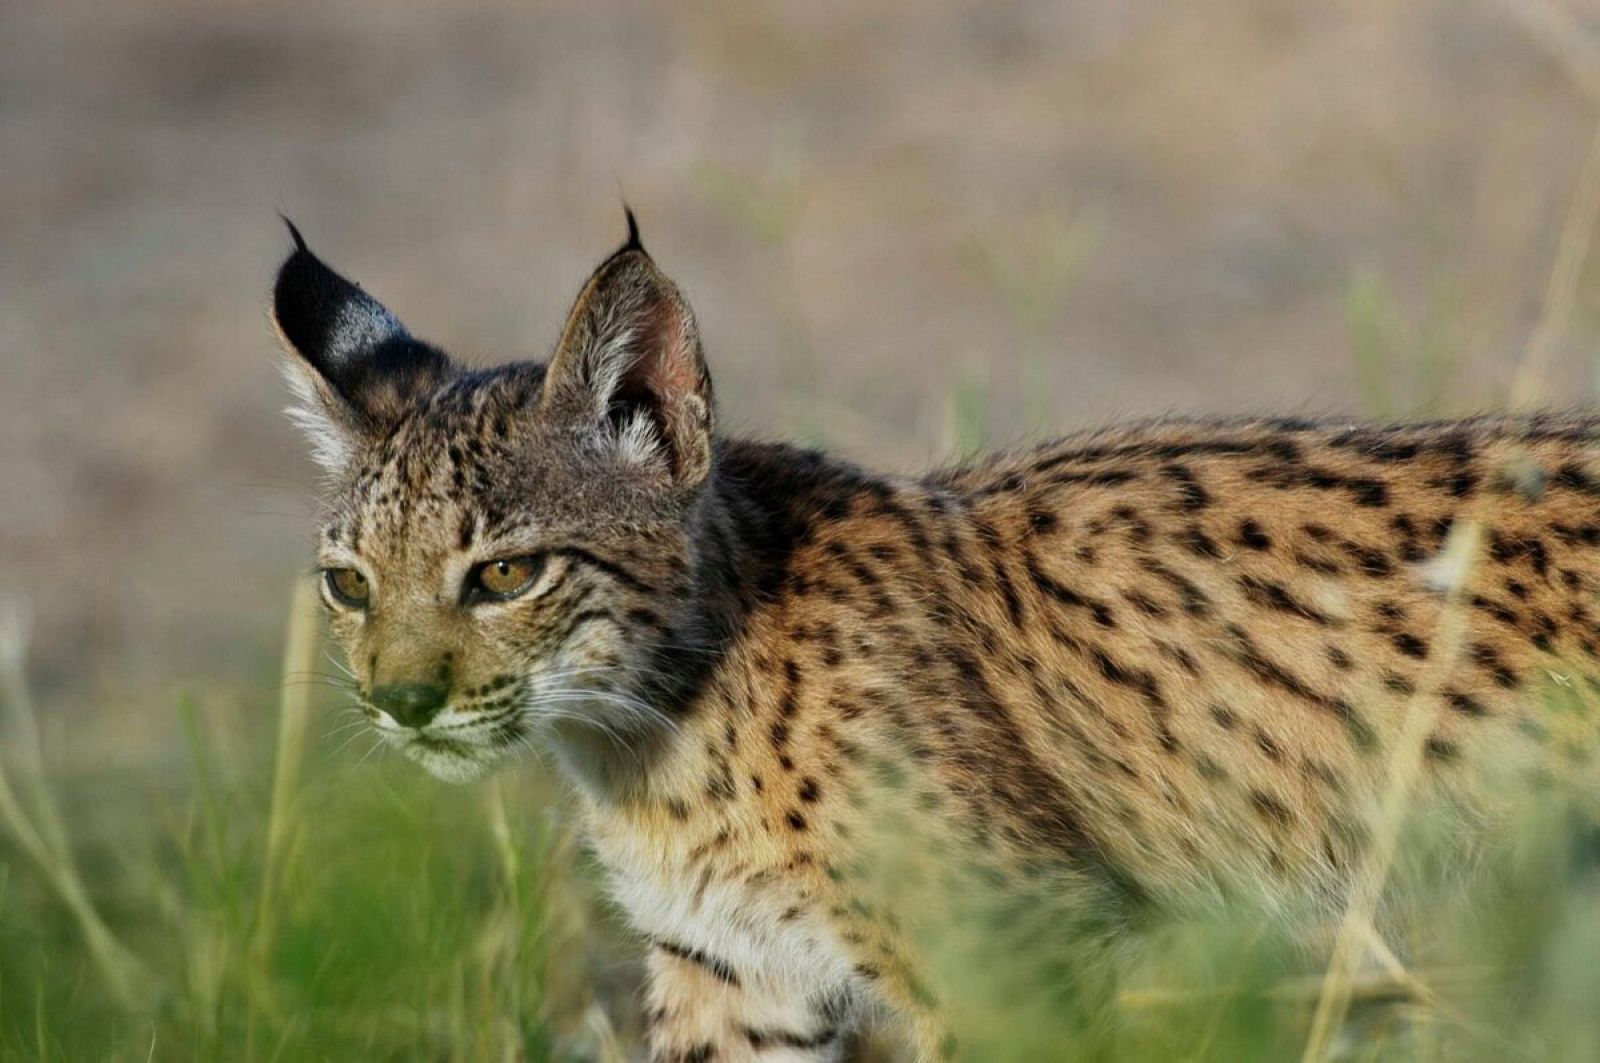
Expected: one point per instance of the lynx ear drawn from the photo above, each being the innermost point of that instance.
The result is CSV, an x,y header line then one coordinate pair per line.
x,y
353,366
629,366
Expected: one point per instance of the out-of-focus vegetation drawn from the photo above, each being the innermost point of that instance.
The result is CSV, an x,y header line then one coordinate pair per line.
x,y
1499,960
395,918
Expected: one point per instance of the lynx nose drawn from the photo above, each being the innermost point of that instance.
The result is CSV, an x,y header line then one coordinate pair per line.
x,y
411,704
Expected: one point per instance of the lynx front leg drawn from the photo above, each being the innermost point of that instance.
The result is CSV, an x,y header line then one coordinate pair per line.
x,y
701,1010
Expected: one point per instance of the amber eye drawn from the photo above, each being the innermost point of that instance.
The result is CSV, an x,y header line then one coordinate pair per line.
x,y
348,587
503,579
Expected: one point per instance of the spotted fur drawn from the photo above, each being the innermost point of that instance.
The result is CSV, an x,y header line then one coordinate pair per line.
x,y
1142,666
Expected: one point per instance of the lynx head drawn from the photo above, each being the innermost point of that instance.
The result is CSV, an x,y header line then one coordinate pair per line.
x,y
505,549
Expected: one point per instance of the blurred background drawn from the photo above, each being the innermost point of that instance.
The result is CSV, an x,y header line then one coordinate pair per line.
x,y
909,230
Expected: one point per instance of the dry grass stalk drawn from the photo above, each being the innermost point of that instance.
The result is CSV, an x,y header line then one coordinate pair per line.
x,y
607,1046
1356,930
294,717
1561,34
504,841
1408,986
42,836
1405,765
1562,291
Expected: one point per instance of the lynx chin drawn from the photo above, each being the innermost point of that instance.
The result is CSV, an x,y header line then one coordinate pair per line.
x,y
1139,669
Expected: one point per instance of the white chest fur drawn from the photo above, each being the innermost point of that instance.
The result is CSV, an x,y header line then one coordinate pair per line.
x,y
757,924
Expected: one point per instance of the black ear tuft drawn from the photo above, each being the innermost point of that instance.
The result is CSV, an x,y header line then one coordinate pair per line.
x,y
358,348
328,320
294,234
634,243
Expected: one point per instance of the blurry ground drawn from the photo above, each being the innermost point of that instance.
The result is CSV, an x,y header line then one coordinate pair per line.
x,y
899,223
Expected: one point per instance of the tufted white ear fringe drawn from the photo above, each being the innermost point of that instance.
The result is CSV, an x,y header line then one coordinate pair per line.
x,y
611,360
636,440
332,445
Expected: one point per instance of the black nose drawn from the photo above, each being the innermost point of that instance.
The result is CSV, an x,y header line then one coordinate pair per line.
x,y
411,704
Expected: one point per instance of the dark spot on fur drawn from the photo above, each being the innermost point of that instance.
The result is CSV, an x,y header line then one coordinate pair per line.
x,y
718,968
1441,749
1409,644
1270,807
760,1040
1316,563
1373,493
1191,495
1488,659
1144,604
1209,769
1398,684
1273,595
1252,537
1199,543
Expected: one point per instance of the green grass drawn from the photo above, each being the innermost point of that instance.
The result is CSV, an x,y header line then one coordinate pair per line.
x,y
403,931
407,920
1404,363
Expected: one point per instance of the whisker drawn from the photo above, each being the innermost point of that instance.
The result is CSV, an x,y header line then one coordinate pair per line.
x,y
641,708
317,681
603,726
340,665
334,732
345,744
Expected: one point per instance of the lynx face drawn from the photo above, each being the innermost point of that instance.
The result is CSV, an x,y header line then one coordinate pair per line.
x,y
506,551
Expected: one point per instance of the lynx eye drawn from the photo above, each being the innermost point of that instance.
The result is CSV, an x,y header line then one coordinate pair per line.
x,y
503,579
348,587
